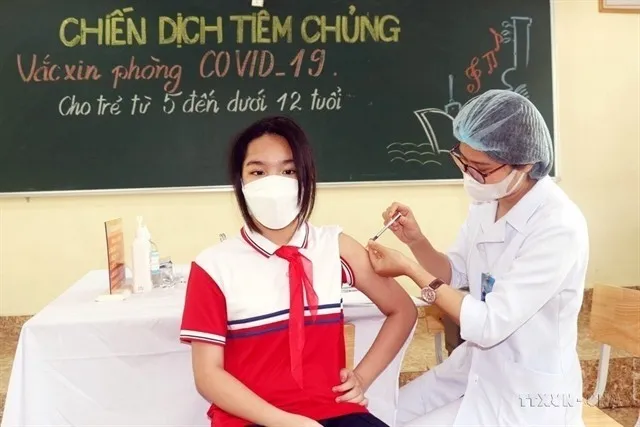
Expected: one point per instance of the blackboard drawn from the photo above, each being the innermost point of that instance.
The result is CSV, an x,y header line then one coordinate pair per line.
x,y
373,82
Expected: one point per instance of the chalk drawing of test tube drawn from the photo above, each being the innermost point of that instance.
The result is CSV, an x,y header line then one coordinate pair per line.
x,y
453,107
518,33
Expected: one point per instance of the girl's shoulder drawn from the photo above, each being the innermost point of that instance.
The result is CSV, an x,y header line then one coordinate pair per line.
x,y
324,234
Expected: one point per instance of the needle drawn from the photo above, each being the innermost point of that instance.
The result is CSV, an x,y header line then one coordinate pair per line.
x,y
389,224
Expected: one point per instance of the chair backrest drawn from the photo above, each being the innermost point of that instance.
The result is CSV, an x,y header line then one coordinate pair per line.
x,y
349,344
615,317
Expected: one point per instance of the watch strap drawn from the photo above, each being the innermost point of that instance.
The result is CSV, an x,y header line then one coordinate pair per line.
x,y
435,284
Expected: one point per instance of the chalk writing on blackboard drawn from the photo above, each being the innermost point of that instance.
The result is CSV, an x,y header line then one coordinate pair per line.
x,y
250,57
516,32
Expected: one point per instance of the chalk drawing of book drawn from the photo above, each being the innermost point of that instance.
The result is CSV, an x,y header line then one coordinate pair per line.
x,y
429,152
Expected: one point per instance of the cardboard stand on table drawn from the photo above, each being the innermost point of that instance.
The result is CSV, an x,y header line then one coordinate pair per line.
x,y
118,290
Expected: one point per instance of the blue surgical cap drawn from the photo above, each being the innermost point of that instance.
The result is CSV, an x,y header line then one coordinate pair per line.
x,y
508,128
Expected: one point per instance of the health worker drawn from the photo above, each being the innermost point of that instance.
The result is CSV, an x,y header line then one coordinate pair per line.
x,y
522,252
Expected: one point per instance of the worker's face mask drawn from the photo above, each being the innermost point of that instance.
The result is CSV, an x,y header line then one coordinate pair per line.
x,y
272,200
489,192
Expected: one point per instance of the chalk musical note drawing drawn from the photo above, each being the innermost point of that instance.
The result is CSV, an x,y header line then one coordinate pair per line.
x,y
518,33
426,152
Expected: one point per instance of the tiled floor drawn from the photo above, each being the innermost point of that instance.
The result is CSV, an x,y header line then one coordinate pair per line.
x,y
619,402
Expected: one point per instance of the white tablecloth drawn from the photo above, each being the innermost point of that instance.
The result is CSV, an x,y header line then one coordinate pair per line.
x,y
119,363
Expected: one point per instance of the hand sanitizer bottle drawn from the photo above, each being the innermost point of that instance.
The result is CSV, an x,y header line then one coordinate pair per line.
x,y
156,274
141,254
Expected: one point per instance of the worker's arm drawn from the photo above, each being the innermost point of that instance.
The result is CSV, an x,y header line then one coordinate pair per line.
x,y
536,275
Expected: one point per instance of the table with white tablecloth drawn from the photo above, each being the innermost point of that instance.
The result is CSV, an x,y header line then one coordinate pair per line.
x,y
119,363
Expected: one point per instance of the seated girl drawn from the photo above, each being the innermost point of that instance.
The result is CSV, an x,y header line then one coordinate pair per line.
x,y
263,310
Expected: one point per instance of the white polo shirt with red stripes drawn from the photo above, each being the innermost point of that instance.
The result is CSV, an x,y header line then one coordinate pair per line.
x,y
238,297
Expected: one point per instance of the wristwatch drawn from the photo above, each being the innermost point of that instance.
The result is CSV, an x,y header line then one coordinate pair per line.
x,y
428,293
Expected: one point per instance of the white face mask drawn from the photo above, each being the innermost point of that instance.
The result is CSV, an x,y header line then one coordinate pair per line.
x,y
272,200
482,193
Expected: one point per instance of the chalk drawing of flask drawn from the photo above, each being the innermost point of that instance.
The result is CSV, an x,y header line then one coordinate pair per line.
x,y
520,30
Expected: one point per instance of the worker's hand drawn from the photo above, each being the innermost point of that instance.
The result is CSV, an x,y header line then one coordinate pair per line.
x,y
387,262
406,228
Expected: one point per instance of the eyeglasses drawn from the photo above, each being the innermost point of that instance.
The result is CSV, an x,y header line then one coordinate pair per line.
x,y
458,159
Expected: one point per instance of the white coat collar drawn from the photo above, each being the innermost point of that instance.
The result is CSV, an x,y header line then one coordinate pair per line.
x,y
494,231
522,212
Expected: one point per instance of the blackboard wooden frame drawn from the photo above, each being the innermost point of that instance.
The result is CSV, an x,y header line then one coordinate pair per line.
x,y
351,184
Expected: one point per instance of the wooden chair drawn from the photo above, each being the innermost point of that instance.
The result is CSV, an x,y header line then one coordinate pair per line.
x,y
349,340
615,322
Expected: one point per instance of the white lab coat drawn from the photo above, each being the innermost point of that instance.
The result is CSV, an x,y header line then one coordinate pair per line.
x,y
519,365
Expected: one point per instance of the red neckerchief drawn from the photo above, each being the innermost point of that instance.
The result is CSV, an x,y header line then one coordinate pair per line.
x,y
300,285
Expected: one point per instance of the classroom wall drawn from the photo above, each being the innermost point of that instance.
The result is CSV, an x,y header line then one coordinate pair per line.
x,y
46,244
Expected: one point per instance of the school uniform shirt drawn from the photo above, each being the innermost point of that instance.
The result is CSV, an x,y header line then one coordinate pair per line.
x,y
519,365
238,297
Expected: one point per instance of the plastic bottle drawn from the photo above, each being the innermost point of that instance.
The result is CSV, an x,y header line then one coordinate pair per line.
x,y
141,251
154,255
